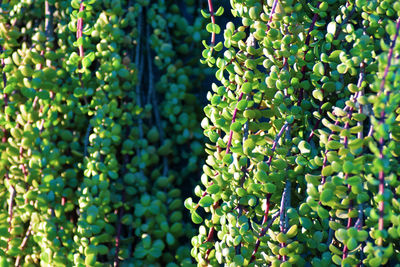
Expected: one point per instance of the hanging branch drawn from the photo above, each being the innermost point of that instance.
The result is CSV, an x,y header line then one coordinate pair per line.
x,y
4,140
337,32
349,220
381,140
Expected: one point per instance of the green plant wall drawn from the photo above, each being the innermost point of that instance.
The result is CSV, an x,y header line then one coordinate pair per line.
x,y
101,129
303,143
104,129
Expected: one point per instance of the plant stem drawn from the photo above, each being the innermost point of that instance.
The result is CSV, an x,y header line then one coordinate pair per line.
x,y
211,9
381,140
262,233
276,141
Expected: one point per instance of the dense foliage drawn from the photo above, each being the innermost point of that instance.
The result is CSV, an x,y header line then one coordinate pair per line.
x,y
100,128
303,128
101,138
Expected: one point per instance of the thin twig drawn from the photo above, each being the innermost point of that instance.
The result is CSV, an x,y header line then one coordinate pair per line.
x,y
276,141
23,244
262,233
79,34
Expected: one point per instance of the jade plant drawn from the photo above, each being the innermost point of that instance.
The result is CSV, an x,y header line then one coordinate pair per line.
x,y
100,131
302,131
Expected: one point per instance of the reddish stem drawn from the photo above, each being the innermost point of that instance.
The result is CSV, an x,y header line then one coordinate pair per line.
x,y
267,208
211,9
210,236
79,28
272,13
79,34
117,239
262,233
381,140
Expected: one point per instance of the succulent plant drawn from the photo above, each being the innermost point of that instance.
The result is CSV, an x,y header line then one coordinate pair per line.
x,y
302,160
101,130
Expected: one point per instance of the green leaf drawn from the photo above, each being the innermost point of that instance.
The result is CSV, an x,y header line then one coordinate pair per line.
x,y
304,147
90,259
391,28
220,11
261,176
140,252
236,127
218,47
342,68
205,14
196,218
359,116
213,189
327,171
45,256
341,235
219,74
362,235
292,232
15,251
242,104
353,181
9,89
86,62
269,188
44,95
326,195
79,42
305,222
334,145
238,260
75,4
331,28
352,243
348,166
213,28
247,87
322,213
228,159
317,94
170,239
189,203
319,69
238,36
356,143
206,201
329,87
